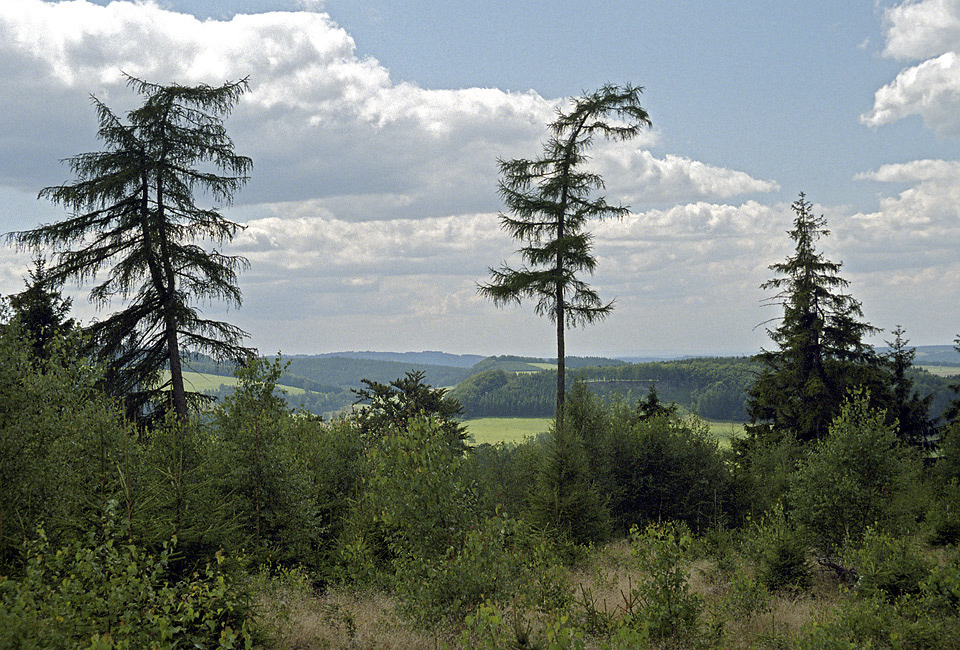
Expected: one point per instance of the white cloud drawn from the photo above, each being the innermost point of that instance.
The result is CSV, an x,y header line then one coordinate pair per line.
x,y
921,30
372,205
928,31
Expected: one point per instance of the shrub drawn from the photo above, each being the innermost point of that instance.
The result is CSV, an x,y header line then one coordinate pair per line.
x,y
887,566
264,483
667,468
111,594
661,602
859,475
442,590
780,552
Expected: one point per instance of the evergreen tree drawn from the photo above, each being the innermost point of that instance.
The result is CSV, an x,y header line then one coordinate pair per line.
x,y
821,353
911,411
135,213
40,310
404,399
550,202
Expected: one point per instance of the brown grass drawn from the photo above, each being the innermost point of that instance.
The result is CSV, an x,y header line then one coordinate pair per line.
x,y
350,619
343,619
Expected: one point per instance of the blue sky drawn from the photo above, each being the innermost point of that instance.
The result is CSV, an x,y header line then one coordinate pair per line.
x,y
375,129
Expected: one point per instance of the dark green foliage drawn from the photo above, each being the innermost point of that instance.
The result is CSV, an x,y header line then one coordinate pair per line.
x,y
63,445
261,477
395,404
669,468
332,457
550,200
820,351
414,503
40,311
887,566
566,500
134,216
859,475
911,411
109,593
764,459
501,474
651,407
662,603
780,551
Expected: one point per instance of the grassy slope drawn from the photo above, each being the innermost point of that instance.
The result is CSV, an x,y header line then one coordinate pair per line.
x,y
200,382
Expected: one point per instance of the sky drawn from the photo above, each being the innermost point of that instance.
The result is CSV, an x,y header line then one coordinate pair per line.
x,y
375,127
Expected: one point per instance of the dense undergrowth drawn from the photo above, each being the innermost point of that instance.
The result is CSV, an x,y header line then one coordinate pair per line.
x,y
626,527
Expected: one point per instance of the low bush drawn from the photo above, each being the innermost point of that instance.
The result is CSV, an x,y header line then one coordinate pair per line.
x,y
779,551
107,594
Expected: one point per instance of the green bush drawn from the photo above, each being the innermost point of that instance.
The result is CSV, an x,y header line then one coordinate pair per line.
x,y
887,566
265,485
442,590
779,551
64,447
109,593
858,476
661,602
669,468
413,503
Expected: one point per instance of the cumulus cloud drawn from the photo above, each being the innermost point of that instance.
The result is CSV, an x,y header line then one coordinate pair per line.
x,y
928,31
921,30
369,199
320,120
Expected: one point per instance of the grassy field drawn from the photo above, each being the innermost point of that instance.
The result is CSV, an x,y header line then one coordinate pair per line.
x,y
200,382
942,371
494,430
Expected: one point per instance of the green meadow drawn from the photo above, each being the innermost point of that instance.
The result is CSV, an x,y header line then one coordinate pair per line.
x,y
942,371
201,382
512,430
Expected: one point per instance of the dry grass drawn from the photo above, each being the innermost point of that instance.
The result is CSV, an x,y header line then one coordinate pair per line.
x,y
350,619
343,619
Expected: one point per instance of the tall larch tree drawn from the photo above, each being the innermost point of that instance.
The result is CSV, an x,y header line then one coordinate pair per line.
x,y
136,217
549,201
820,349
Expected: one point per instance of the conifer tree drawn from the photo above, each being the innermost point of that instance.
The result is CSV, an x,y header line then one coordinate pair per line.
x,y
135,216
549,200
820,350
40,310
911,411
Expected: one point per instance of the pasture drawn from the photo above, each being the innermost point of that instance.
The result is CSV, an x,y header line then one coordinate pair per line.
x,y
514,430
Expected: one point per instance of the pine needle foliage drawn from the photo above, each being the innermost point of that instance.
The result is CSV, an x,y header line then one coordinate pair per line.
x,y
550,200
135,218
821,353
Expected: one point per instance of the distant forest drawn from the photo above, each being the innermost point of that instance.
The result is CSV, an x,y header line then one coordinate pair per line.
x,y
714,388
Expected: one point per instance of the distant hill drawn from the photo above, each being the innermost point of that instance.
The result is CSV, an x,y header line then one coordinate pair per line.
x,y
934,355
427,357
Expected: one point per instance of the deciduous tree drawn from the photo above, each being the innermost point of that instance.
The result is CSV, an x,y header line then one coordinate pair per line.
x,y
550,202
135,215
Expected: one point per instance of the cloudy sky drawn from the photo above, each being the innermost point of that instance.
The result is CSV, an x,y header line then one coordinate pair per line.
x,y
375,127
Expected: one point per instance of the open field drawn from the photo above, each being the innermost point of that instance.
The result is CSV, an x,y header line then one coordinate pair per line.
x,y
200,382
494,430
942,371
